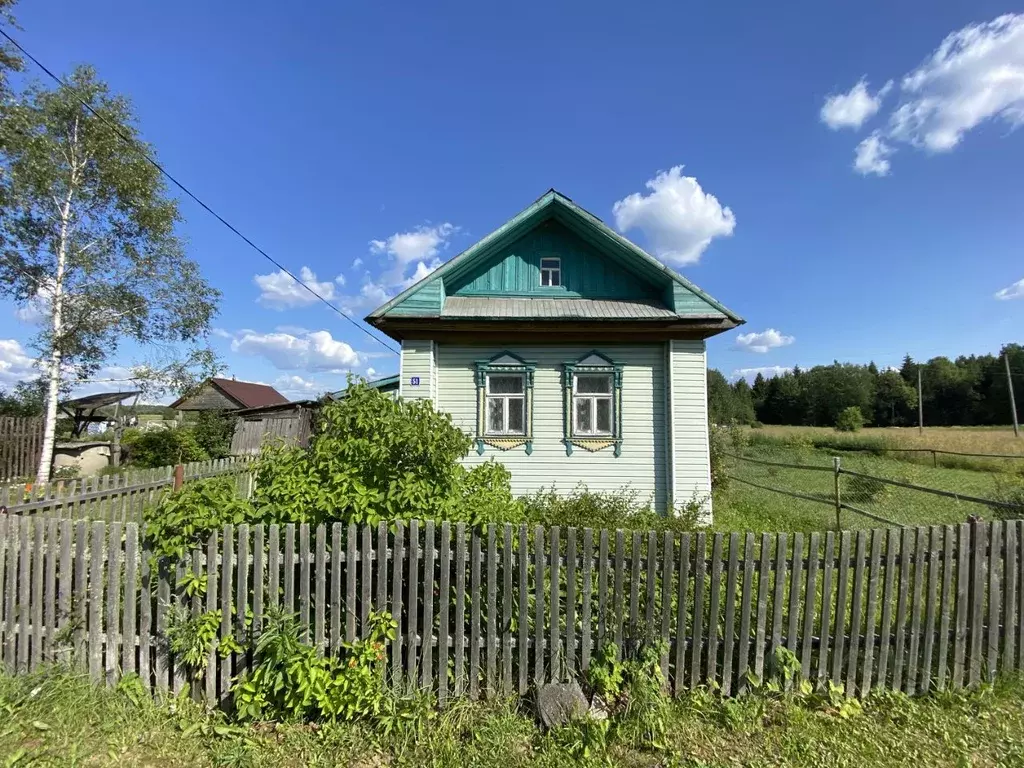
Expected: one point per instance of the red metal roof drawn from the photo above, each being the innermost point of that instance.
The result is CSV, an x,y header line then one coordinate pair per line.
x,y
249,395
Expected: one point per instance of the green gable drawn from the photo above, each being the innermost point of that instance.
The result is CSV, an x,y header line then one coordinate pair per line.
x,y
598,266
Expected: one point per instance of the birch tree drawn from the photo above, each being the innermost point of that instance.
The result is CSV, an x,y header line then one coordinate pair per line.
x,y
88,240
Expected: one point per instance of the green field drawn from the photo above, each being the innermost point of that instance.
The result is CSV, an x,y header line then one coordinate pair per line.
x,y
58,719
744,507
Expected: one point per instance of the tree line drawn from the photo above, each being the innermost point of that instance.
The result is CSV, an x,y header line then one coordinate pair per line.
x,y
968,391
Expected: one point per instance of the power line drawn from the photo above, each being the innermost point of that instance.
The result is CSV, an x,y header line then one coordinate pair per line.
x,y
134,145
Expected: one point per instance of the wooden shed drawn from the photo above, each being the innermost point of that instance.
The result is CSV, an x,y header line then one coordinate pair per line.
x,y
229,395
291,422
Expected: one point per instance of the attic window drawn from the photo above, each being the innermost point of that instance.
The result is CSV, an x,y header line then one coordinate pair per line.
x,y
550,272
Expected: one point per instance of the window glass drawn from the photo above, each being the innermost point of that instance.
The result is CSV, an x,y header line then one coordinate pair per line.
x,y
604,414
505,384
495,415
594,384
584,422
551,272
515,415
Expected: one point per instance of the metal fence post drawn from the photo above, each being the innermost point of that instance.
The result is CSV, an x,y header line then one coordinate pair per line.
x,y
839,503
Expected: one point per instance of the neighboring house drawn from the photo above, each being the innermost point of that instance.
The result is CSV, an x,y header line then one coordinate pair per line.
x,y
568,354
229,395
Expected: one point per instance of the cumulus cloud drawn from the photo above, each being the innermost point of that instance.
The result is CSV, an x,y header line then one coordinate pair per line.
x,y
678,217
1014,291
764,341
853,108
16,364
279,291
750,374
298,388
311,351
975,76
872,156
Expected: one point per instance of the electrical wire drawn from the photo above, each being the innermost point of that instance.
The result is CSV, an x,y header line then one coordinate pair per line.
x,y
135,145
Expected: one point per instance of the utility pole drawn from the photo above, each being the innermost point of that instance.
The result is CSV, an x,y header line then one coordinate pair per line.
x,y
1013,403
920,404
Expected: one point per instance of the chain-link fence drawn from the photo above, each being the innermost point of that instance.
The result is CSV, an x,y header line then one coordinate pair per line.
x,y
862,491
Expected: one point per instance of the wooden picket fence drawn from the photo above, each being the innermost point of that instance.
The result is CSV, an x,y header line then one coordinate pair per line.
x,y
21,443
497,610
120,497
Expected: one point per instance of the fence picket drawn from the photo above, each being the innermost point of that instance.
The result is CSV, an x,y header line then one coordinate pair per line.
x,y
853,655
728,627
427,644
212,582
491,679
288,580
366,575
763,570
381,567
650,582
554,603
49,621
682,588
397,567
795,574
963,609
946,604
241,605
871,612
274,568
602,587
618,597
460,605
258,577
226,627
444,599
63,581
506,612
1010,597
668,566
36,597
337,607
810,593
888,586
920,553
697,641
901,608
587,608
320,596
112,644
304,578
522,639
413,647
746,601
928,632
842,587
778,606
977,601
538,605
569,660
95,649
477,595
351,572
995,567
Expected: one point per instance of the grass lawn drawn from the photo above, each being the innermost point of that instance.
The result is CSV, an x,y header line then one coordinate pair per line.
x,y
58,719
743,507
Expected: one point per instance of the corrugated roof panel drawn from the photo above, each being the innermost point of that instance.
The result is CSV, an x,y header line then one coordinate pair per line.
x,y
582,309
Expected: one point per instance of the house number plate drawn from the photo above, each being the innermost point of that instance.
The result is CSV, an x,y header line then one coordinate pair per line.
x,y
414,381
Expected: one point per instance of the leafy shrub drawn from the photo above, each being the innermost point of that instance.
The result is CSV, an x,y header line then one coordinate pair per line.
x,y
594,509
291,681
377,458
213,431
633,691
184,519
718,446
850,420
162,447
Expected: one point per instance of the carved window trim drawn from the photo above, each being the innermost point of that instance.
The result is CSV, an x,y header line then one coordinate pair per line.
x,y
591,363
510,364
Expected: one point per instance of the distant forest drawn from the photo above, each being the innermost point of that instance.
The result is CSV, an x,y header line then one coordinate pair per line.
x,y
967,391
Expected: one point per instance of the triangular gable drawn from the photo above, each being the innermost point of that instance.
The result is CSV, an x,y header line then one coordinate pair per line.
x,y
426,298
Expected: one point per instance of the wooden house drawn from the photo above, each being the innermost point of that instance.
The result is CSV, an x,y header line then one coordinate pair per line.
x,y
568,354
229,395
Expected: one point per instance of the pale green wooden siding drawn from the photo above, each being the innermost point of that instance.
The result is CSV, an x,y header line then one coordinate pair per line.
x,y
425,302
643,464
418,360
515,270
691,470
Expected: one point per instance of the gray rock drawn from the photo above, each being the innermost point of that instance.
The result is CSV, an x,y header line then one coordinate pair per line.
x,y
558,703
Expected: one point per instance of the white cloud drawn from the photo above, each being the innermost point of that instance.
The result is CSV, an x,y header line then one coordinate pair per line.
x,y
764,341
678,217
312,351
340,280
357,263
370,373
298,388
853,108
976,74
279,291
750,374
1014,291
872,156
16,364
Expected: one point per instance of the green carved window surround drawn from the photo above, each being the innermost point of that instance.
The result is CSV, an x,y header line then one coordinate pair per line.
x,y
504,403
592,393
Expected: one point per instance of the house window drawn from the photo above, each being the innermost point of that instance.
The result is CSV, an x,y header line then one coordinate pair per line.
x,y
551,272
504,386
592,404
506,404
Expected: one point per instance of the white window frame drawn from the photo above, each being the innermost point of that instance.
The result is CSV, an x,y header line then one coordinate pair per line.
x,y
553,274
593,398
504,397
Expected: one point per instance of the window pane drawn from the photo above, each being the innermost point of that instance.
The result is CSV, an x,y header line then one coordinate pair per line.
x,y
495,414
590,384
604,414
505,385
584,422
550,263
515,415
545,277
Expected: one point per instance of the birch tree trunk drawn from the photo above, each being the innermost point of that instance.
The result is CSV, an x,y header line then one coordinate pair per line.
x,y
53,372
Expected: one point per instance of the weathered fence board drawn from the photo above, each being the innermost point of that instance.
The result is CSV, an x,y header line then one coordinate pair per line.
x,y
91,593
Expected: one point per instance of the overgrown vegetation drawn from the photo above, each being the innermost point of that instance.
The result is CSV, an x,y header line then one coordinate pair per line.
x,y
850,420
57,718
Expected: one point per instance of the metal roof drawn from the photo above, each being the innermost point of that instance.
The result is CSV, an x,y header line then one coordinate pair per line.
x,y
496,307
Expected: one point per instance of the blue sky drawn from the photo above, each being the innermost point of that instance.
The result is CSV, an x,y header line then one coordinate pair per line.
x,y
363,140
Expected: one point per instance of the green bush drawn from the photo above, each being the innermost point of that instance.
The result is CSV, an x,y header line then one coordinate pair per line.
x,y
718,446
610,510
161,447
850,420
213,431
184,519
377,458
